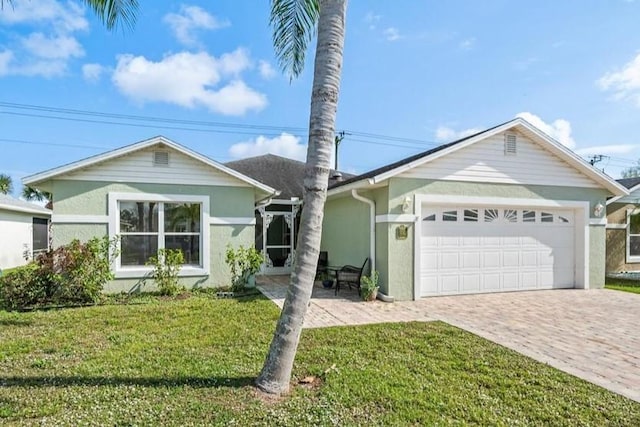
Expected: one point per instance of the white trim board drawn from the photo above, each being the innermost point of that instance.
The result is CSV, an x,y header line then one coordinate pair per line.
x,y
396,218
616,226
232,221
79,219
581,227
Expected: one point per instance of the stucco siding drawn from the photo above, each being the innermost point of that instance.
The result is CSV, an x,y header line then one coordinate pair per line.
x,y
345,231
400,253
616,246
79,198
91,197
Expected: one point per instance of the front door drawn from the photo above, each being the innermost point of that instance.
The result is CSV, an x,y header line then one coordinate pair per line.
x,y
275,236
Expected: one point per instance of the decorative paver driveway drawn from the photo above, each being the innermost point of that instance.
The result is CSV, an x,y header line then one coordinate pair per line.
x,y
593,334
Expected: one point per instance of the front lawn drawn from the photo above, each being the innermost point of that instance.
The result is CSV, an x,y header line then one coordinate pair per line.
x,y
192,362
625,285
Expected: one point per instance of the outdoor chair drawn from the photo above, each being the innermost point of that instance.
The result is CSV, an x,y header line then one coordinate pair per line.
x,y
323,263
350,275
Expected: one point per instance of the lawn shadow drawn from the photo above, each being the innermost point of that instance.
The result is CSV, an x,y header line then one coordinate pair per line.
x,y
16,322
72,381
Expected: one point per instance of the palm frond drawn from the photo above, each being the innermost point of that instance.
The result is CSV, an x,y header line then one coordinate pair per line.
x,y
115,12
294,26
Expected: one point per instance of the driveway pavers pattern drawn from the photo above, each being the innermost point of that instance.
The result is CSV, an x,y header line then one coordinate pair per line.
x,y
592,334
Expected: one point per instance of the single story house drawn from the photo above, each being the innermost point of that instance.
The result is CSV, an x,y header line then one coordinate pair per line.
x,y
24,231
505,209
155,194
623,229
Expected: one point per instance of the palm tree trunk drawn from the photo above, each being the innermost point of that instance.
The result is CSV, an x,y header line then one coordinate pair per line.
x,y
276,373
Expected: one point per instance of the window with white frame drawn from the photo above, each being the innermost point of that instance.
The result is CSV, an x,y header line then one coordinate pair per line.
x,y
146,223
633,236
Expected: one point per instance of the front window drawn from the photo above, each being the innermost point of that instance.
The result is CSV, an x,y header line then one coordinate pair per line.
x,y
146,226
633,236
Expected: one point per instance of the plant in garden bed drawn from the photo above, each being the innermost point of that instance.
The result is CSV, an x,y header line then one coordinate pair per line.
x,y
244,263
369,286
166,267
72,274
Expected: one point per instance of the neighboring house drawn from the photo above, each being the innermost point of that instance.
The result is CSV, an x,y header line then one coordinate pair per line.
x,y
623,229
155,194
506,209
277,219
24,231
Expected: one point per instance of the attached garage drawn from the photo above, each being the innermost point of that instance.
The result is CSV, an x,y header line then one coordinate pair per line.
x,y
507,209
475,249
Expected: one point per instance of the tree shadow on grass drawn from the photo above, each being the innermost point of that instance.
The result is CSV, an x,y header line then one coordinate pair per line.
x,y
16,322
82,381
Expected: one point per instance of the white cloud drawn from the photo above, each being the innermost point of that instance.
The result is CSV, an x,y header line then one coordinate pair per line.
x,y
266,70
445,134
50,43
607,149
92,72
525,64
392,34
559,129
467,44
189,80
285,145
372,19
189,20
56,47
624,83
64,18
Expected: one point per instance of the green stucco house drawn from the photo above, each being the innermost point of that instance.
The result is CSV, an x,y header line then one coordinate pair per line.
x,y
506,209
155,194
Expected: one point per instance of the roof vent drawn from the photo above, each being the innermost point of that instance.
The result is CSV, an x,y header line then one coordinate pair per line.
x,y
510,147
161,158
336,176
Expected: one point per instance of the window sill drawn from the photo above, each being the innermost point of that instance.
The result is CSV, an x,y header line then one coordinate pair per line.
x,y
633,260
144,272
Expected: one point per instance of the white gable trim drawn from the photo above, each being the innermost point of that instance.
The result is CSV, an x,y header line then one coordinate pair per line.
x,y
631,191
90,161
520,124
34,211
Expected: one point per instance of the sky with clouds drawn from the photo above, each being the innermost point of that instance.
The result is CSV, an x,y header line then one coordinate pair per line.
x,y
204,75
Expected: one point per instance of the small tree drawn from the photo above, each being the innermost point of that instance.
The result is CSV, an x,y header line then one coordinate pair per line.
x,y
632,172
243,263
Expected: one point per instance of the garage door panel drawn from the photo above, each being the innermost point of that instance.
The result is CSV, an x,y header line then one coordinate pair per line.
x,y
505,250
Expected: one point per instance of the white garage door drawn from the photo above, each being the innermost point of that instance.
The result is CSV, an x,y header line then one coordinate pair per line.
x,y
494,249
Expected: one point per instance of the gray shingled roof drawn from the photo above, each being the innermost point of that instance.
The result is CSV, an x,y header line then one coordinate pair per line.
x,y
281,173
629,182
13,204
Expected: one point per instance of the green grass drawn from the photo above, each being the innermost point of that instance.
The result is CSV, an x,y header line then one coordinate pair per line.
x,y
625,285
192,362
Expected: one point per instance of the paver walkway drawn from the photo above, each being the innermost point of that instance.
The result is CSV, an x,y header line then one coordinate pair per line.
x,y
593,334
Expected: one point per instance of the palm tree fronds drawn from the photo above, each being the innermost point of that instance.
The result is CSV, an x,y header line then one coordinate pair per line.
x,y
115,12
294,26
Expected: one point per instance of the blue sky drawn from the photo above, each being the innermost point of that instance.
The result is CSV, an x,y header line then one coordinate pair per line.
x,y
414,76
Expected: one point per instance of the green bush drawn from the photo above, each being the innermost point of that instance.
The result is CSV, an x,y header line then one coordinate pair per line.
x,y
166,267
22,287
68,275
244,263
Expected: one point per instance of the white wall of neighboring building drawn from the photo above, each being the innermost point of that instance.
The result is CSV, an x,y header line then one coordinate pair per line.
x,y
16,230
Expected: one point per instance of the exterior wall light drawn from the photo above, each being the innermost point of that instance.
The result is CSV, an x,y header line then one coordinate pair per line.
x,y
406,204
598,209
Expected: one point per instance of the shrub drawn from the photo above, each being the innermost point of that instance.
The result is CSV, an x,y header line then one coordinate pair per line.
x,y
244,263
166,267
22,287
71,274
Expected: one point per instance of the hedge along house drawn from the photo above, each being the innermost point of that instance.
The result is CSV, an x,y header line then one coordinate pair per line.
x,y
506,209
278,219
155,194
623,229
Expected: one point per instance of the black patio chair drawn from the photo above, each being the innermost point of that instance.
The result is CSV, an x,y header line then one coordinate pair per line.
x,y
323,263
350,275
